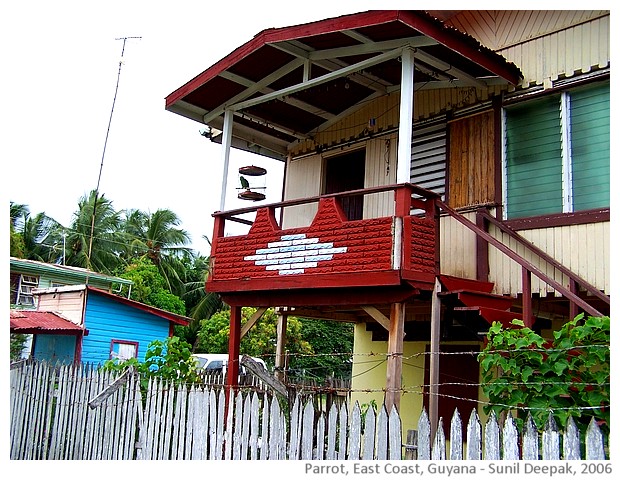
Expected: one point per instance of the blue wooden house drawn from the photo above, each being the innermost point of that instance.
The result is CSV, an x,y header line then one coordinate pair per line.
x,y
85,324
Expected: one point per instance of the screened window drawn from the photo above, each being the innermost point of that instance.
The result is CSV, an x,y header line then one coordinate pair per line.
x,y
27,283
123,350
557,153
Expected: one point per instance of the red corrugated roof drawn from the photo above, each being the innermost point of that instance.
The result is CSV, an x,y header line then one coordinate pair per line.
x,y
33,321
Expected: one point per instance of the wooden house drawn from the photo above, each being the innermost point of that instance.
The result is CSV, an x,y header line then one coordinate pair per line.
x,y
28,275
80,323
443,170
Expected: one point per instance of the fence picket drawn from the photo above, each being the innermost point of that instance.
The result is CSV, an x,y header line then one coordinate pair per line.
x,y
355,433
49,419
293,452
330,454
595,449
438,452
456,436
424,436
491,438
551,440
530,439
369,434
474,437
320,438
395,441
511,439
254,433
342,432
307,432
245,428
382,430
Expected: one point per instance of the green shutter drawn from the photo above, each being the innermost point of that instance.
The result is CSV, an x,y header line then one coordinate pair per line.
x,y
534,158
590,147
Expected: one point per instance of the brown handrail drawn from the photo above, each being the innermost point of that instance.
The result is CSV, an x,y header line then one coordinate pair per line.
x,y
520,260
545,256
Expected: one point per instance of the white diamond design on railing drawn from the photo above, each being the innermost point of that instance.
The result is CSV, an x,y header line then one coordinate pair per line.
x,y
293,254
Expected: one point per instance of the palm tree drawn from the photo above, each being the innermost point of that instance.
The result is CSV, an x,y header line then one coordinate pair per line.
x,y
155,236
40,237
107,242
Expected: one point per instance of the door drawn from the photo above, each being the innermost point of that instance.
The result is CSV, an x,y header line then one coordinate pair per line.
x,y
344,173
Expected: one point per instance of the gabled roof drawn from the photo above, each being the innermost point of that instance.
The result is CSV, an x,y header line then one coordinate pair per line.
x,y
76,274
173,317
34,321
287,84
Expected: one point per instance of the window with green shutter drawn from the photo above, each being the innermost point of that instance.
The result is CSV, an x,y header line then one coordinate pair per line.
x,y
590,147
557,153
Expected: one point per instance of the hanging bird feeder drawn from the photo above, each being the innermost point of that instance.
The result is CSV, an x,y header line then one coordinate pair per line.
x,y
248,192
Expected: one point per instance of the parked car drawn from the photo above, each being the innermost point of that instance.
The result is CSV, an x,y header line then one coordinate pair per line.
x,y
217,363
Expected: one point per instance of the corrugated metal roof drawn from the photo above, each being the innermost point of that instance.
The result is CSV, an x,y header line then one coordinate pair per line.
x,y
33,321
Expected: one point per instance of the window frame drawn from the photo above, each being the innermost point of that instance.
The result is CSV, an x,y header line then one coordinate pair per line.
x,y
119,342
566,141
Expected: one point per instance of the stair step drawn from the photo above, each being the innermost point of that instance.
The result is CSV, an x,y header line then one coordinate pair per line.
x,y
451,283
492,315
469,298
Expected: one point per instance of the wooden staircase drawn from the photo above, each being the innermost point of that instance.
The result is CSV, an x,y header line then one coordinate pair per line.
x,y
471,303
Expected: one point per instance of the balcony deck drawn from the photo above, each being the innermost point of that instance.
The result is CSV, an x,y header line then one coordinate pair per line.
x,y
331,261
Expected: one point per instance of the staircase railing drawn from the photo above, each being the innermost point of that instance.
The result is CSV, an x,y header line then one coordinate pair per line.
x,y
529,268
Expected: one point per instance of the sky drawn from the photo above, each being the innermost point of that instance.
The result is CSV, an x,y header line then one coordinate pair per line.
x,y
61,62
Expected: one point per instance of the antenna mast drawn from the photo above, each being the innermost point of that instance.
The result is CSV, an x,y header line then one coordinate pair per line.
x,y
105,143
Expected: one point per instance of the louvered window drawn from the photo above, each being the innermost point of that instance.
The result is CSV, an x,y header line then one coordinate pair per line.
x,y
557,153
428,157
27,283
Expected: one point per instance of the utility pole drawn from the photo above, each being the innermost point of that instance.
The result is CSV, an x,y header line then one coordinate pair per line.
x,y
105,143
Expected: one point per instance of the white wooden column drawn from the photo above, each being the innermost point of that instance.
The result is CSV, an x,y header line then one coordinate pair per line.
x,y
405,125
226,143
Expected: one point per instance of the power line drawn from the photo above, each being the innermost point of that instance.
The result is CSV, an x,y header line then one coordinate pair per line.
x,y
105,143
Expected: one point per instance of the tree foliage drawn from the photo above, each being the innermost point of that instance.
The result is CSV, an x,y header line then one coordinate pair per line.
x,y
568,375
260,341
168,360
149,287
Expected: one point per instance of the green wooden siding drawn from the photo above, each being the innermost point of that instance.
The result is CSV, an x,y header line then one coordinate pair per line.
x,y
590,147
534,158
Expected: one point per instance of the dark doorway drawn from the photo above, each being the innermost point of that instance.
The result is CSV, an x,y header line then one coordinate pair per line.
x,y
344,173
458,382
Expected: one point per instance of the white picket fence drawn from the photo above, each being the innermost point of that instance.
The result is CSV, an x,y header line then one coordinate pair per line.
x,y
78,412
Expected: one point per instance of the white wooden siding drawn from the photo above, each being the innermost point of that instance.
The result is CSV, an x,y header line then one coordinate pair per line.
x,y
303,179
380,170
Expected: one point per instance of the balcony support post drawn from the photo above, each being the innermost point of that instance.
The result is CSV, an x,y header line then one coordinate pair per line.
x,y
232,371
280,360
433,400
395,356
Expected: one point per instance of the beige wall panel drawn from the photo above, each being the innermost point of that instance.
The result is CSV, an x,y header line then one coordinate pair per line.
x,y
380,170
584,249
68,303
456,244
303,179
580,48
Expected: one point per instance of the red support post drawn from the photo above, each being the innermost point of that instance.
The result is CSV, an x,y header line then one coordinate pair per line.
x,y
526,276
232,371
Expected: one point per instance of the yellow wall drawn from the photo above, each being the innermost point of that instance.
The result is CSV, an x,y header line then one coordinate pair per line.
x,y
369,373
